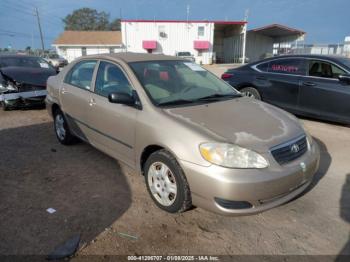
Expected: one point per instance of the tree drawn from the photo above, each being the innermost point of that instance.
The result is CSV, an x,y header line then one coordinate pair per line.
x,y
86,19
28,48
115,25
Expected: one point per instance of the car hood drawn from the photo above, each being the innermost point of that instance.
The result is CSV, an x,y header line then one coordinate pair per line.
x,y
28,75
243,121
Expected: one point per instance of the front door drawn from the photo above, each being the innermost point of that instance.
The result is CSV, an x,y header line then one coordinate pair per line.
x,y
75,95
114,124
321,93
281,82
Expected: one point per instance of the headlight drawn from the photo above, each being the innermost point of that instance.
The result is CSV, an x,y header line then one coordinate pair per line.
x,y
232,156
4,87
308,136
11,87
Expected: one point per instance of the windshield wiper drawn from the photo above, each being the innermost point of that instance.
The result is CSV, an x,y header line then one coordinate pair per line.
x,y
218,96
176,102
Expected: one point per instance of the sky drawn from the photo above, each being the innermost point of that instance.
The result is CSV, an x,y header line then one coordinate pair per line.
x,y
325,21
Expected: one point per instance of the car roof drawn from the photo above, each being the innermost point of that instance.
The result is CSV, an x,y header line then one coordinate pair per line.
x,y
328,57
16,56
129,57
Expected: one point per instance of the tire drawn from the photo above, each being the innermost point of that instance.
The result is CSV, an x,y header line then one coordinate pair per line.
x,y
4,106
63,134
251,92
168,189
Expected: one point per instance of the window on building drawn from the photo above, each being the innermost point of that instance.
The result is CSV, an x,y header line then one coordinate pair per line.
x,y
288,66
200,30
110,78
111,50
81,74
161,30
83,51
324,69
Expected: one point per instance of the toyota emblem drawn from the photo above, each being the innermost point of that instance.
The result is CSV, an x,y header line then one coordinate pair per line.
x,y
294,148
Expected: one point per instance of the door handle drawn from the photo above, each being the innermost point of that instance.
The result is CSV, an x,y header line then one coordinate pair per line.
x,y
308,84
92,102
64,91
261,78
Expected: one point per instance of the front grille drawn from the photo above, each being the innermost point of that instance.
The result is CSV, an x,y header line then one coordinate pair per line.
x,y
27,88
290,151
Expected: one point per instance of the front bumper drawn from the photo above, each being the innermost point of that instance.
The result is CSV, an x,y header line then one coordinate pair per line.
x,y
259,189
22,99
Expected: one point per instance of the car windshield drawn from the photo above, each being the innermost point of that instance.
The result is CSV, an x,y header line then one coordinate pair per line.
x,y
184,54
24,61
179,83
54,56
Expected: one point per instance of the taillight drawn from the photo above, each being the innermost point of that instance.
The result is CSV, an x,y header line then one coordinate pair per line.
x,y
226,76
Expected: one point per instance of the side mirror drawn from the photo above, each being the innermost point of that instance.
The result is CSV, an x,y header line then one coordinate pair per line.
x,y
121,98
344,78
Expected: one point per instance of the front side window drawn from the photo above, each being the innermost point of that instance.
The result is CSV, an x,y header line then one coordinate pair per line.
x,y
200,30
170,82
324,69
81,74
287,66
110,79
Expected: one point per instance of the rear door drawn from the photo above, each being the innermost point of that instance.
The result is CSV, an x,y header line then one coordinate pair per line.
x,y
321,93
113,124
280,81
75,96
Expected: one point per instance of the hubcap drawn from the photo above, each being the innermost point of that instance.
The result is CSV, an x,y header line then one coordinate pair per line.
x,y
162,183
248,94
59,126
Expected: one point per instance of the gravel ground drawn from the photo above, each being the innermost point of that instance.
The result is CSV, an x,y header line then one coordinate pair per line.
x,y
101,200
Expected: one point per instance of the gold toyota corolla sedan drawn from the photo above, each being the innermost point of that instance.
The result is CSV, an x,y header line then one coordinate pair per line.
x,y
195,139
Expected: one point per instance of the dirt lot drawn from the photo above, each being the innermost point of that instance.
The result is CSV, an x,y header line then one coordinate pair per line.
x,y
98,198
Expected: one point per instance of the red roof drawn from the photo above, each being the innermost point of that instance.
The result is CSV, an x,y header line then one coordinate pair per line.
x,y
186,21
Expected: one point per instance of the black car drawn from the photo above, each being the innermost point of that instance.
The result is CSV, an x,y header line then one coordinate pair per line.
x,y
310,85
23,80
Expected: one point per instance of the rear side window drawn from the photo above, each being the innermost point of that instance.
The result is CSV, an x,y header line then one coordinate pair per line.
x,y
81,74
264,67
110,78
324,69
288,66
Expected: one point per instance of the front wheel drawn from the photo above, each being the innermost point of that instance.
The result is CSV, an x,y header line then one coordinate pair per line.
x,y
251,92
62,131
4,106
166,182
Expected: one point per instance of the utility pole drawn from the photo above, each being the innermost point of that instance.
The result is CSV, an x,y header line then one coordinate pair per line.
x,y
245,36
41,33
187,12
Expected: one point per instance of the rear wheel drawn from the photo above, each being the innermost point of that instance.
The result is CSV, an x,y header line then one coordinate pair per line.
x,y
62,131
251,92
166,182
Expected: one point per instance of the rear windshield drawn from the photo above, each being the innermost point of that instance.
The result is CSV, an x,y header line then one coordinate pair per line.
x,y
345,61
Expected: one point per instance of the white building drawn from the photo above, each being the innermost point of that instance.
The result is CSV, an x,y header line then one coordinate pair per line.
x,y
73,44
207,41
